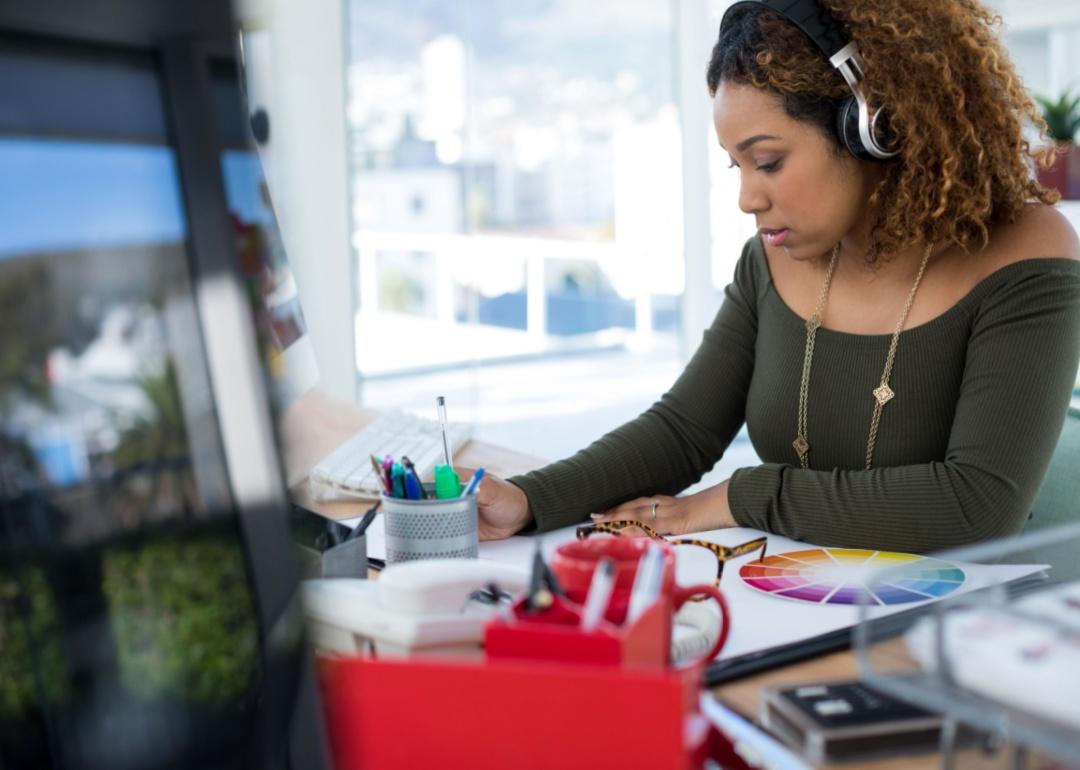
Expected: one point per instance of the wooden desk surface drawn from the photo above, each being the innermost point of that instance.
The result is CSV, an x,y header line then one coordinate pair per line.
x,y
316,424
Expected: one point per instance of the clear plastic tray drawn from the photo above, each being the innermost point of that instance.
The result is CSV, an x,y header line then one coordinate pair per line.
x,y
1004,660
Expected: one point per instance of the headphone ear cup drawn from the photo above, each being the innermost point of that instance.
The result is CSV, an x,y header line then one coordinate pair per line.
x,y
847,128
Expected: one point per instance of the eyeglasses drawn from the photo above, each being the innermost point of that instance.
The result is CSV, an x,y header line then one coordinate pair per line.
x,y
723,553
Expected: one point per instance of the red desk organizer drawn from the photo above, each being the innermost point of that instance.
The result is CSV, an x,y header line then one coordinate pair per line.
x,y
384,714
549,695
555,634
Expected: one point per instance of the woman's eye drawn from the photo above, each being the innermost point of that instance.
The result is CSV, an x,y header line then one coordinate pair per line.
x,y
768,168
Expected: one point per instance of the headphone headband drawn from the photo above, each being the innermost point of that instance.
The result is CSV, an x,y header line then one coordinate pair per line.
x,y
807,15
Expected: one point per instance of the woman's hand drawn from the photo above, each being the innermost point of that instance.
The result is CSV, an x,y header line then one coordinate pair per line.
x,y
705,510
502,507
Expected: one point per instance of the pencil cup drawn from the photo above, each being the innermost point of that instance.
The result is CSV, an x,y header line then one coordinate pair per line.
x,y
430,529
346,560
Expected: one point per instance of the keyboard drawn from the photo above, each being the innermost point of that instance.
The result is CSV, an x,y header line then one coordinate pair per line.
x,y
347,471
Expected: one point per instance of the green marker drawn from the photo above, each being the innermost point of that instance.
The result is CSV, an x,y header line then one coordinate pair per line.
x,y
447,483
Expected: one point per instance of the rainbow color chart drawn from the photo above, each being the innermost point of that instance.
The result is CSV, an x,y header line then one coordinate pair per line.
x,y
845,576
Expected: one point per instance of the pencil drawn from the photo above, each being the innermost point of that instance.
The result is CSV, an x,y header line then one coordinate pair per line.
x,y
377,467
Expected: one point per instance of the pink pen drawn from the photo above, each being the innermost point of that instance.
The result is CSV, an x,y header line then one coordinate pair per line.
x,y
387,466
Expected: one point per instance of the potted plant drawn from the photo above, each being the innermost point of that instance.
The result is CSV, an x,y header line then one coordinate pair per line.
x,y
1062,122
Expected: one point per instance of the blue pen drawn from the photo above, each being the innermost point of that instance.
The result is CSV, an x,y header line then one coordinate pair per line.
x,y
411,473
474,482
413,491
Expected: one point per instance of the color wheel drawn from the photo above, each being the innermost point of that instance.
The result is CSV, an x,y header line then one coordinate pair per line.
x,y
847,576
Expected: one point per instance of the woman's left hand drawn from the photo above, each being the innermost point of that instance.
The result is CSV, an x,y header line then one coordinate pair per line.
x,y
700,512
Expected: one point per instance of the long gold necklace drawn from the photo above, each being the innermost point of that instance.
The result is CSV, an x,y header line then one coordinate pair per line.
x,y
883,394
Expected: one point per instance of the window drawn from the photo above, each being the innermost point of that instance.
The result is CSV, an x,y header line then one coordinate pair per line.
x,y
543,262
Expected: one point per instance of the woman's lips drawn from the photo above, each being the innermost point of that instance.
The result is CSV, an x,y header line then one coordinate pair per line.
x,y
774,237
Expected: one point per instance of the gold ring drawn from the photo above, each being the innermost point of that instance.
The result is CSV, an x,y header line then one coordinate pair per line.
x,y
655,505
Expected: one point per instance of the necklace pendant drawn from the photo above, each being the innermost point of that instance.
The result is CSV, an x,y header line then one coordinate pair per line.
x,y
802,446
884,394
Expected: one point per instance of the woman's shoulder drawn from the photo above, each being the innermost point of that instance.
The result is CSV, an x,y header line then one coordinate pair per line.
x,y
1028,255
1040,232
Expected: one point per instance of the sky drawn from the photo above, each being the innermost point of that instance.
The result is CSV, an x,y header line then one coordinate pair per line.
x,y
58,195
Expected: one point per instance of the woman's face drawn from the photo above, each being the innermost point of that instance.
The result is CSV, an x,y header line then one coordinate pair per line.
x,y
805,196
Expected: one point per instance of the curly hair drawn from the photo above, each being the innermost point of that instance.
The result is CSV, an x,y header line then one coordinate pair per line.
x,y
952,95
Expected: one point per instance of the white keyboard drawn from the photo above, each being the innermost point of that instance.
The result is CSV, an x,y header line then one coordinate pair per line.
x,y
347,470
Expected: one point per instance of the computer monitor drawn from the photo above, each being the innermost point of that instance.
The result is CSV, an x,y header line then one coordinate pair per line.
x,y
148,608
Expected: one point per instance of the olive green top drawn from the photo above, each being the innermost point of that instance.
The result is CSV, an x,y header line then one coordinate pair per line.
x,y
981,395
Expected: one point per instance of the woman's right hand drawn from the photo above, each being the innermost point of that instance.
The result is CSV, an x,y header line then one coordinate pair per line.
x,y
502,507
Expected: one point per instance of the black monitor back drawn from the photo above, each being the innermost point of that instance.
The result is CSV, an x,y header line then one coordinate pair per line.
x,y
148,610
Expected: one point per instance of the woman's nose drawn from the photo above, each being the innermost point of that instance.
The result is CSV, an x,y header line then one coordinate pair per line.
x,y
752,199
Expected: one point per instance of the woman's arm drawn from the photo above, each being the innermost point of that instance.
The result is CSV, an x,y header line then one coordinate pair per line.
x,y
673,443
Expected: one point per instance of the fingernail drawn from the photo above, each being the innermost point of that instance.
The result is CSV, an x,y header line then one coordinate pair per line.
x,y
595,516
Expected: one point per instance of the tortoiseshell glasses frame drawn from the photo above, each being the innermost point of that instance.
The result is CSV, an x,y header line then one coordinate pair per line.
x,y
723,553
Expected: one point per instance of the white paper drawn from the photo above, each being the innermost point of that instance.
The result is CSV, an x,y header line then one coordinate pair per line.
x,y
752,744
758,621
1031,646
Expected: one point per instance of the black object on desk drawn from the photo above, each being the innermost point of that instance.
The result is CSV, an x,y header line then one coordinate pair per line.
x,y
311,530
835,721
326,548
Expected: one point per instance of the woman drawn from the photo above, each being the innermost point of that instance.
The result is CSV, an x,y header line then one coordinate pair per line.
x,y
902,337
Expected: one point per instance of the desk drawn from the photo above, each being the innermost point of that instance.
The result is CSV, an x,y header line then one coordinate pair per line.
x,y
316,424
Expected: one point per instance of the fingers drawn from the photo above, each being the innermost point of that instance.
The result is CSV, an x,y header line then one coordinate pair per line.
x,y
491,489
502,508
661,513
639,509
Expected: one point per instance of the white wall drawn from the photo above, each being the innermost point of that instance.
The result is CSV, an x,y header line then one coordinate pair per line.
x,y
692,46
301,63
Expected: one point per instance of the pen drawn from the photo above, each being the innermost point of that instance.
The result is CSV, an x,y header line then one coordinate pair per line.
x,y
474,482
388,479
397,481
413,490
447,483
411,472
365,522
599,596
440,407
646,588
379,473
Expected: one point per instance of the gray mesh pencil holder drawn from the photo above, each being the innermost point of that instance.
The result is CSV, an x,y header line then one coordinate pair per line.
x,y
430,529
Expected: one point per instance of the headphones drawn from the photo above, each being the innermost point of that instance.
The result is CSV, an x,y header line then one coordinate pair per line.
x,y
863,131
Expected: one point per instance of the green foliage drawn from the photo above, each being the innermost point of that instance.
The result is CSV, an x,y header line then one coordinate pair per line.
x,y
28,620
27,330
1062,116
184,619
162,436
